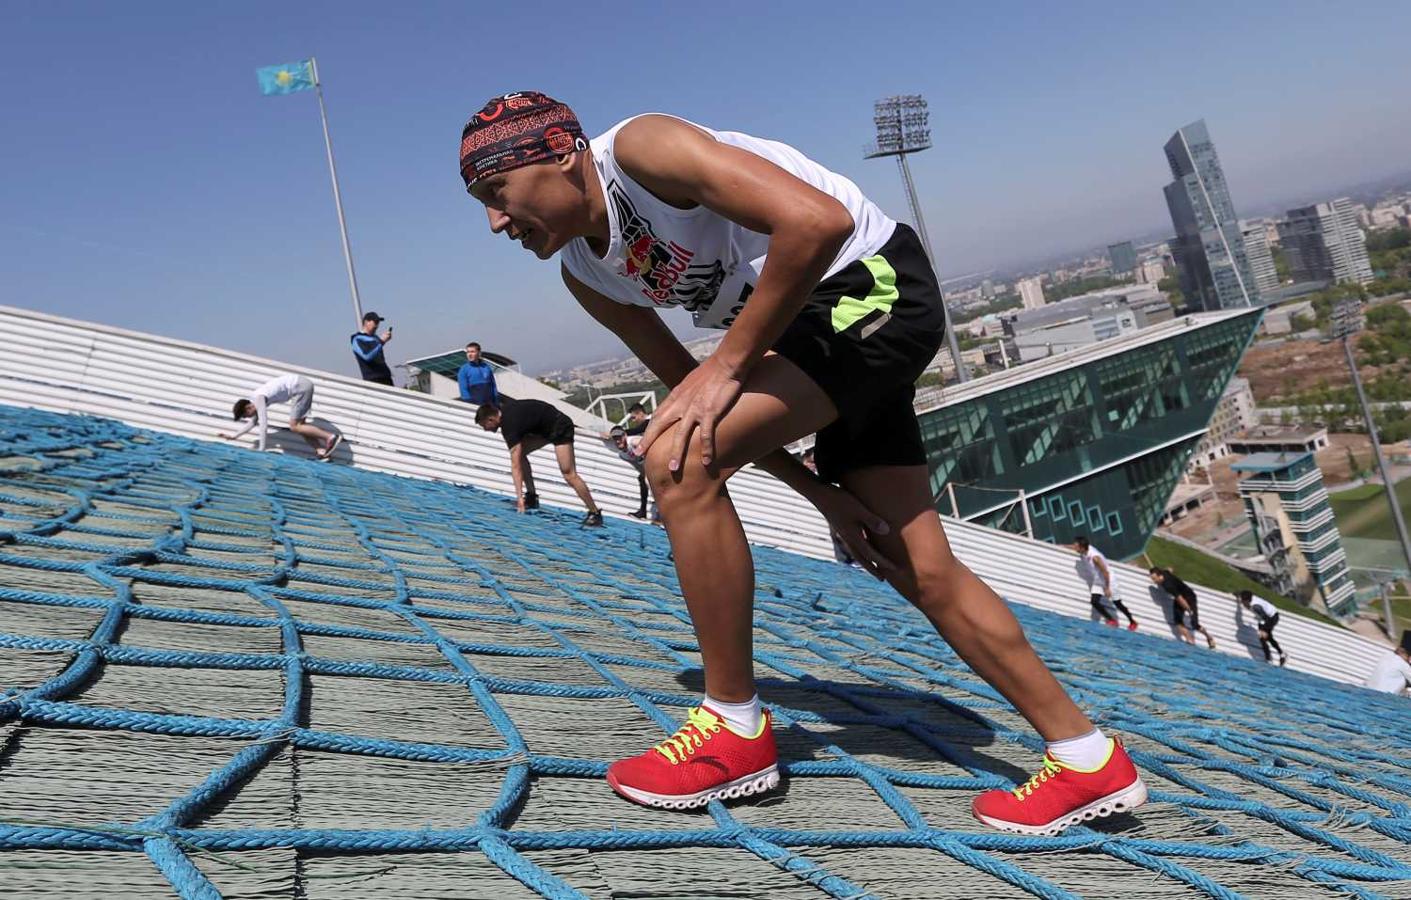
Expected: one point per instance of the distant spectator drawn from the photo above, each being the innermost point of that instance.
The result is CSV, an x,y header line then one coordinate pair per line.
x,y
298,391
1183,605
1267,615
1097,575
617,439
1393,672
637,422
477,379
808,461
367,350
527,425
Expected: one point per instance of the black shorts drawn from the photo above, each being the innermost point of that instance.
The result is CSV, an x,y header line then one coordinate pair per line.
x,y
562,432
864,336
1180,616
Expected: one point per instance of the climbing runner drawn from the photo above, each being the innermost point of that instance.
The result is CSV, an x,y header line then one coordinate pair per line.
x,y
1097,574
527,425
1184,609
298,392
844,313
1267,615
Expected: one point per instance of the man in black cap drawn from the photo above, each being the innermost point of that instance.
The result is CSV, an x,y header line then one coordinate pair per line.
x,y
618,439
367,349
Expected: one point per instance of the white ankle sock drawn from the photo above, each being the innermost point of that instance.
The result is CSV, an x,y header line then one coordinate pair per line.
x,y
1086,751
743,718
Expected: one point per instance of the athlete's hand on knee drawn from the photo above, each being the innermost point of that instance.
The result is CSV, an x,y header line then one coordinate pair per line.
x,y
699,402
854,524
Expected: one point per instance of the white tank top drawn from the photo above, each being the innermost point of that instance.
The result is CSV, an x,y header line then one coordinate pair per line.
x,y
660,255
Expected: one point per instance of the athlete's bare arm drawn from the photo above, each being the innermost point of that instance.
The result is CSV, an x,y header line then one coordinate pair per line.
x,y
520,474
686,167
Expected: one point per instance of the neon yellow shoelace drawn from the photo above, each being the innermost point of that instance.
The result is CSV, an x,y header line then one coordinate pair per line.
x,y
700,725
1027,788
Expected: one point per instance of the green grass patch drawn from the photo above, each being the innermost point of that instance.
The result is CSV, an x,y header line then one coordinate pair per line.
x,y
1201,568
1363,511
1400,612
1361,492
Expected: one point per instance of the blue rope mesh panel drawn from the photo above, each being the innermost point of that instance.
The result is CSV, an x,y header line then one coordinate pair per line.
x,y
231,674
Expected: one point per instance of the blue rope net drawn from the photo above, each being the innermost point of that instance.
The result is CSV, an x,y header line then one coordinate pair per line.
x,y
234,674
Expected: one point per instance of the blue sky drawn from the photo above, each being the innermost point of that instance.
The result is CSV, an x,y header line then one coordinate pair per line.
x,y
145,183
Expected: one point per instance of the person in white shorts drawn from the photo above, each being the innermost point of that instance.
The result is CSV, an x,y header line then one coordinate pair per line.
x,y
298,392
1393,672
1093,569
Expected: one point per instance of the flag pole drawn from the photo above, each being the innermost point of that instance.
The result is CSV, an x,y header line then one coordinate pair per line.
x,y
337,195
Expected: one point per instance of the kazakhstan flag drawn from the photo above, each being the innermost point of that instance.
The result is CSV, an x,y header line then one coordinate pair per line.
x,y
286,79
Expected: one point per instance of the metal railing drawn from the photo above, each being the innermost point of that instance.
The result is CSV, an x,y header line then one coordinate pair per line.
x,y
185,388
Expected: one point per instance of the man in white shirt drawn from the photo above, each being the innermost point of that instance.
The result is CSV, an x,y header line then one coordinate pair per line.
x,y
1267,616
1393,672
298,392
1093,569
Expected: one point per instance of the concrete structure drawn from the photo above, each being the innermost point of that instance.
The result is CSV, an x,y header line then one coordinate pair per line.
x,y
1208,247
1324,243
1188,497
987,290
1085,319
1278,439
1261,257
1151,271
1123,257
1280,319
1287,505
1031,291
1234,414
974,358
1088,442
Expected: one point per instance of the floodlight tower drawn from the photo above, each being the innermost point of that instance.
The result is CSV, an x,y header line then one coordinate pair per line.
x,y
1347,321
903,127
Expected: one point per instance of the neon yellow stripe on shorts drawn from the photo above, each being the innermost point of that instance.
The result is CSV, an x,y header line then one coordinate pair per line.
x,y
883,294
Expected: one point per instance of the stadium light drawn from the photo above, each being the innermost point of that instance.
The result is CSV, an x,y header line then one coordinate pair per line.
x,y
903,127
1347,321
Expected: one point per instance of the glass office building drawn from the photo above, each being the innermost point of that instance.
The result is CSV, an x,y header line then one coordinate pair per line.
x,y
1089,442
1208,247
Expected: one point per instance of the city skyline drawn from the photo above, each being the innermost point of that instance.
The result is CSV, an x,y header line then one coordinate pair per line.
x,y
155,189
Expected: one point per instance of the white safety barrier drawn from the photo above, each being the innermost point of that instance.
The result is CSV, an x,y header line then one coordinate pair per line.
x,y
188,389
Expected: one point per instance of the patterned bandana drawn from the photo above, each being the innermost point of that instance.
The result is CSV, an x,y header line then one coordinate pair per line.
x,y
516,130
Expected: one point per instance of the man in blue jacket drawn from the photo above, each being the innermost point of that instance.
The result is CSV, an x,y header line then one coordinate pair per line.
x,y
477,379
367,350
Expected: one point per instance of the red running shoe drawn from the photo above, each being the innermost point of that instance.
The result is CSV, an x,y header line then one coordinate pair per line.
x,y
701,762
1132,626
1060,796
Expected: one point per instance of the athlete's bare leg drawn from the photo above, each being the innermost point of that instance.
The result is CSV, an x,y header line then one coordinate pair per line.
x,y
314,436
779,405
567,466
965,611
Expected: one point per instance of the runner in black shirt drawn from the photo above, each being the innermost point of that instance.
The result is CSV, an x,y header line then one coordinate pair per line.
x,y
1183,605
1267,615
527,425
